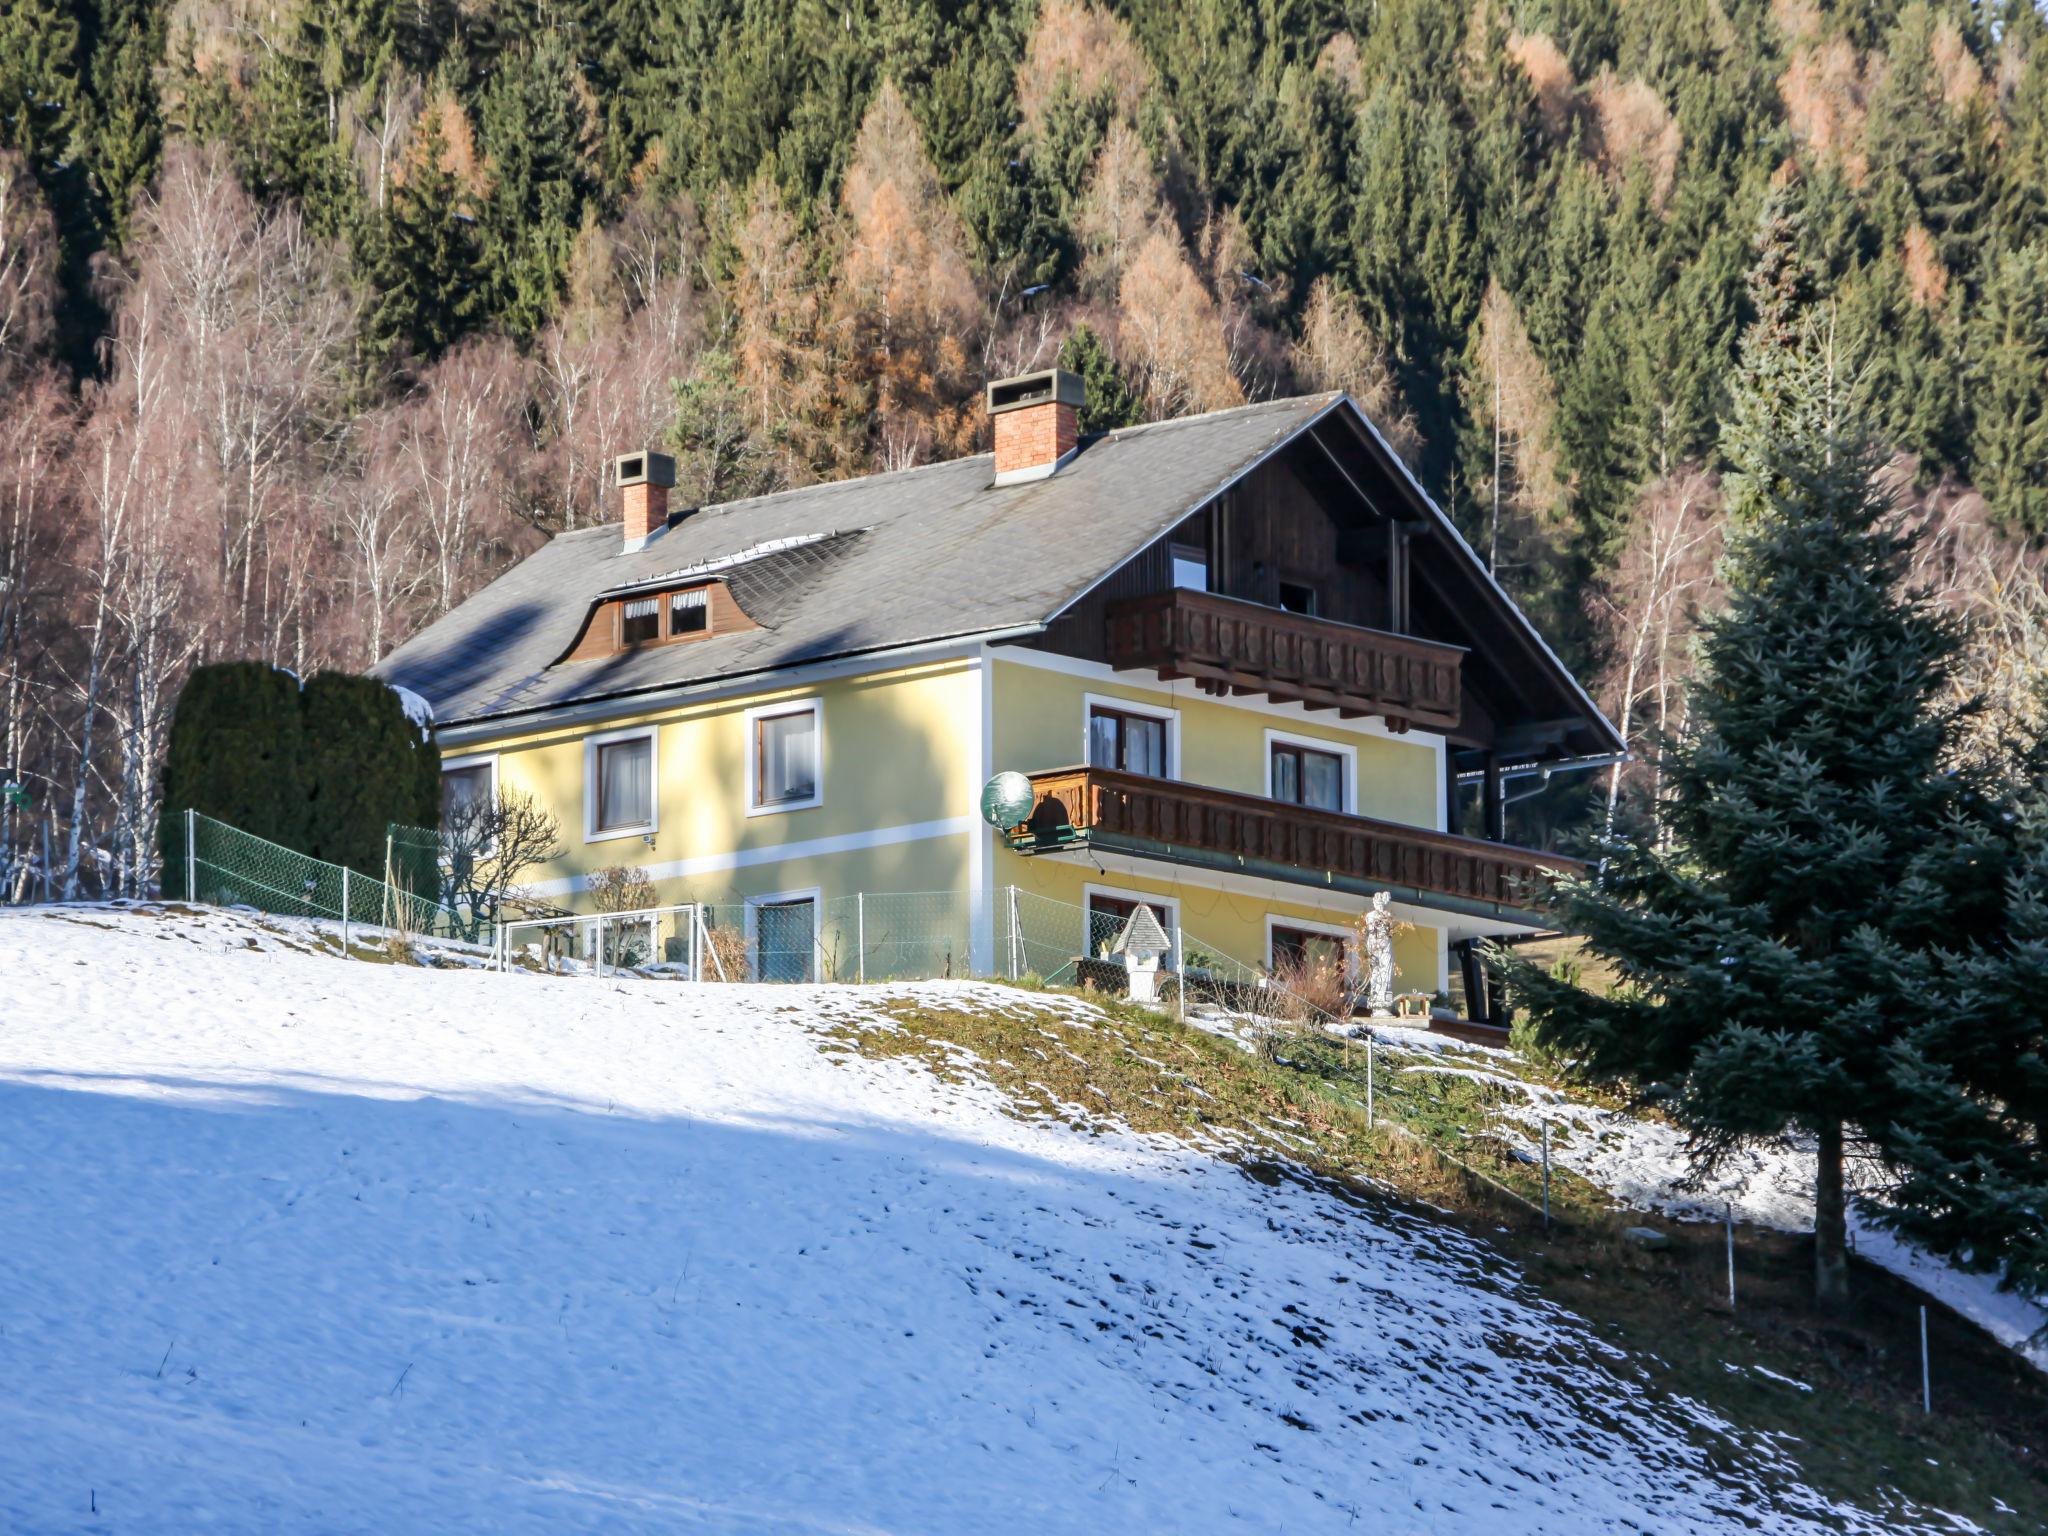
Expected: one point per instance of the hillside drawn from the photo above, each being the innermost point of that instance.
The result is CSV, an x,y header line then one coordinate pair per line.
x,y
314,317
294,1242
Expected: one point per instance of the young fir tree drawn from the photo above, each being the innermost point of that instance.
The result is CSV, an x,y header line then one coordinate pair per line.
x,y
1821,852
1109,401
1969,1148
423,255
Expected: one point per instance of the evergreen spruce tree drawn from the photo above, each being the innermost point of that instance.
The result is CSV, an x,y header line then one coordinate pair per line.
x,y
127,132
1969,1150
1821,851
534,133
2010,399
719,457
423,256
1109,401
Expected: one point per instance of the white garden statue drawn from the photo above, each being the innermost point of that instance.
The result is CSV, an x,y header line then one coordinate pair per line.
x,y
1379,958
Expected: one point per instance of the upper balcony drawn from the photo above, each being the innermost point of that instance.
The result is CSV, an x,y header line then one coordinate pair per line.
x,y
1224,830
1225,642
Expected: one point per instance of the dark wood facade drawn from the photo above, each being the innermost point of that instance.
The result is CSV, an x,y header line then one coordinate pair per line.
x,y
1229,645
1330,523
599,636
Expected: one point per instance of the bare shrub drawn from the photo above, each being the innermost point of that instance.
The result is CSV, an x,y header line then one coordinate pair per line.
x,y
486,845
621,888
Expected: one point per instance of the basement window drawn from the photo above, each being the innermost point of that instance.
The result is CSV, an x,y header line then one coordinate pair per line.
x,y
640,621
689,613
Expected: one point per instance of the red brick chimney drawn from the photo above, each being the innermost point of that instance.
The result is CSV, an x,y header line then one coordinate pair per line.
x,y
644,481
1038,423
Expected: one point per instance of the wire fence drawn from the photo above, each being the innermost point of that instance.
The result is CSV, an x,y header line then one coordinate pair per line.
x,y
212,862
794,937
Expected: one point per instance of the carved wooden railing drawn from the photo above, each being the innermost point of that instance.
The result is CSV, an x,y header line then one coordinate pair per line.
x,y
1108,806
1226,642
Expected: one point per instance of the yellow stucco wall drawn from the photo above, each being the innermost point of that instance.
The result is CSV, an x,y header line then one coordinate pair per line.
x,y
1230,923
897,749
900,751
1040,717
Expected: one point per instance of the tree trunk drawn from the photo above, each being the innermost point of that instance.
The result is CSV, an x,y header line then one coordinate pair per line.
x,y
1830,1223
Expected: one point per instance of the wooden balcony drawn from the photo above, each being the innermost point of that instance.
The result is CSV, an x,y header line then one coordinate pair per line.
x,y
1223,830
1226,643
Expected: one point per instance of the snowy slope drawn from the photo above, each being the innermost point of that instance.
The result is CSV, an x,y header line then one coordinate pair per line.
x,y
1644,1164
296,1243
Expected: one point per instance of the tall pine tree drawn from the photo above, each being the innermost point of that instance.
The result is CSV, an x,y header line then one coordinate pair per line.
x,y
1821,852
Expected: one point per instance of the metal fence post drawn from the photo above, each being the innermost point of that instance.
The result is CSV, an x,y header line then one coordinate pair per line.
x,y
597,949
1546,1173
1368,1080
1016,972
1926,1380
344,911
1180,958
191,858
1731,1256
860,934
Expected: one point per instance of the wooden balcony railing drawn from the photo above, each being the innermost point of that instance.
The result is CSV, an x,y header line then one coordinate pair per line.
x,y
1224,642
1270,837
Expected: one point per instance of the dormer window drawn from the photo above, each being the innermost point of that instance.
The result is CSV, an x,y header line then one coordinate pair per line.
x,y
640,621
689,613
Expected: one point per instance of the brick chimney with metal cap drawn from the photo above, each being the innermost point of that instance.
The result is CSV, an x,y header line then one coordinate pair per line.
x,y
1038,423
644,481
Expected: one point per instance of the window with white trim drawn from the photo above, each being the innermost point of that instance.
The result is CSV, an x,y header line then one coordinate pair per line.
x,y
785,766
1304,775
1124,740
464,785
624,791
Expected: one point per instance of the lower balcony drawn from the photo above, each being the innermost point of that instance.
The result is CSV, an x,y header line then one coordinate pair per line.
x,y
1229,832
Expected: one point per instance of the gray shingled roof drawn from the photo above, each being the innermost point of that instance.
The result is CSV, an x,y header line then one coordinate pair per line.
x,y
920,555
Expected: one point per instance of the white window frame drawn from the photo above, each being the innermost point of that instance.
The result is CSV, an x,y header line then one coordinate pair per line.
x,y
750,922
1167,908
753,717
1342,932
1090,702
1318,744
652,735
475,760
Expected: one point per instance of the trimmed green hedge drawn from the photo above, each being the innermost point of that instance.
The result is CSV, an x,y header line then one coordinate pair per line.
x,y
322,768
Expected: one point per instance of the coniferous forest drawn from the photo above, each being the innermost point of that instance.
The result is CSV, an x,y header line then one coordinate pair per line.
x,y
316,313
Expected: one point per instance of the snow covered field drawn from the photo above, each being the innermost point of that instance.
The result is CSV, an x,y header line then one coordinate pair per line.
x,y
292,1243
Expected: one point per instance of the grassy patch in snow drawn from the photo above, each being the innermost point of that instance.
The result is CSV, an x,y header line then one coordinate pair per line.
x,y
1857,1434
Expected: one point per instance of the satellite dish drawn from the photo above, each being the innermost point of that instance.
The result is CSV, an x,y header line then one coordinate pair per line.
x,y
1007,800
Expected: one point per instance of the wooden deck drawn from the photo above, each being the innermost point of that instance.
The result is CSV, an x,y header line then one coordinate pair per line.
x,y
1194,823
1227,644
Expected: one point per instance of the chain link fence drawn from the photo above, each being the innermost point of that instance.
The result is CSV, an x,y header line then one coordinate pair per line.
x,y
222,865
798,937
